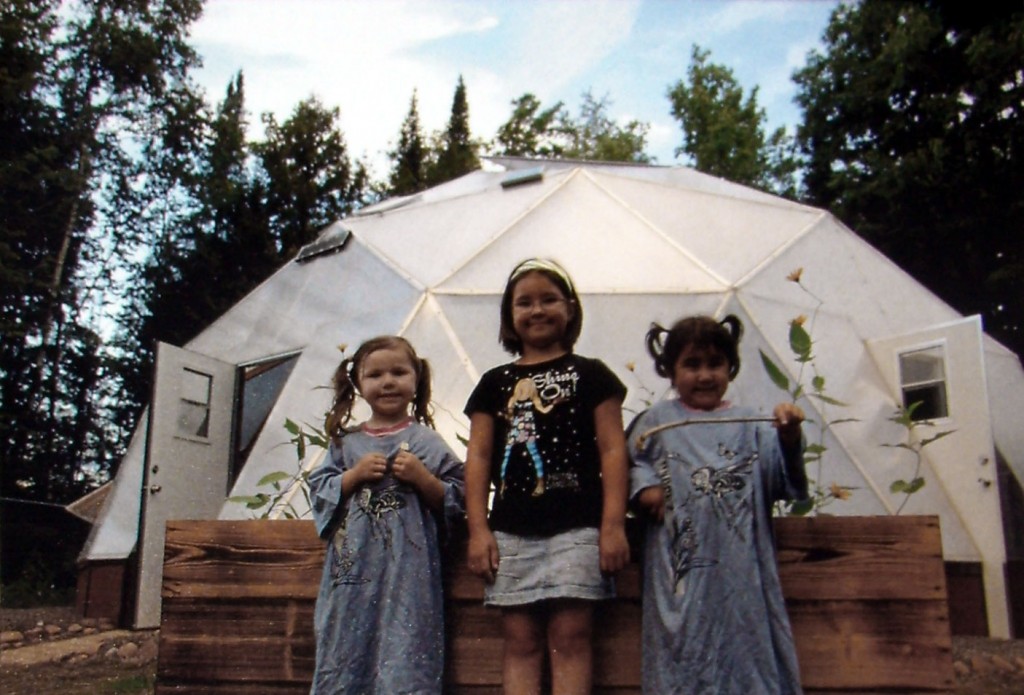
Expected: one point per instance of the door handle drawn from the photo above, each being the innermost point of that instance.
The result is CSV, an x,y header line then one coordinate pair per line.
x,y
153,489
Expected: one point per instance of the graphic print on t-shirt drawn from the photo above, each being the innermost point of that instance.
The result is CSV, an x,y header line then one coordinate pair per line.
x,y
533,398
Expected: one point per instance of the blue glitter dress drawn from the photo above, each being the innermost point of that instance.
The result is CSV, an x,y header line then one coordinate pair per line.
x,y
714,619
379,616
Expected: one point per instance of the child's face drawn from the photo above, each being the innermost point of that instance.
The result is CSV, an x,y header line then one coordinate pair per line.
x,y
701,377
540,312
387,380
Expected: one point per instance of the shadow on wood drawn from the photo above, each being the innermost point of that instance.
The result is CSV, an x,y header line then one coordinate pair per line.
x,y
866,596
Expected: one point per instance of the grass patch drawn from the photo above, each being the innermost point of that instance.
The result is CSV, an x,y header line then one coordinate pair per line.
x,y
138,683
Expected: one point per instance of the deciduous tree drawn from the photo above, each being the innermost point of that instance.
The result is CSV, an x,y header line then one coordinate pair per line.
x,y
723,129
913,132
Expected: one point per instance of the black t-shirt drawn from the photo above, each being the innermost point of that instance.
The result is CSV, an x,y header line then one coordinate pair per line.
x,y
545,465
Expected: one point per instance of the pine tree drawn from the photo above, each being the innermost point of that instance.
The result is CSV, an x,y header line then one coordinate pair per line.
x,y
457,153
409,157
306,173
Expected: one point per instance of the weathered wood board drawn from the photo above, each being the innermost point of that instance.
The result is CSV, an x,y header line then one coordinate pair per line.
x,y
866,596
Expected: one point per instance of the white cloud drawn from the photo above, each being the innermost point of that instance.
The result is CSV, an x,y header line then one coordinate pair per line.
x,y
366,57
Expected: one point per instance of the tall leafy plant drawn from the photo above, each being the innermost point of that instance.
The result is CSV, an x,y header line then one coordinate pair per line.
x,y
809,383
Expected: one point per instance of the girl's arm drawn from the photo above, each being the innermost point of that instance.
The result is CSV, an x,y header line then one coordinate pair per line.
x,y
647,490
482,553
611,445
325,492
788,418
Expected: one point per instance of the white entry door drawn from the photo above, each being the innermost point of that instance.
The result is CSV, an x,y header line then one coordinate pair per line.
x,y
188,454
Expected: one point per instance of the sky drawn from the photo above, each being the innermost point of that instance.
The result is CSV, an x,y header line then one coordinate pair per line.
x,y
366,57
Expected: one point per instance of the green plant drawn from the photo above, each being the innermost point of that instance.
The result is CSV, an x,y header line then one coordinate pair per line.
x,y
802,346
904,416
285,485
137,683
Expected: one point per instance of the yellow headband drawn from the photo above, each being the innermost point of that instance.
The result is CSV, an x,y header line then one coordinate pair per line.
x,y
544,264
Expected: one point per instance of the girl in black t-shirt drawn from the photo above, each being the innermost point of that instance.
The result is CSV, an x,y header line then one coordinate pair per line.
x,y
546,433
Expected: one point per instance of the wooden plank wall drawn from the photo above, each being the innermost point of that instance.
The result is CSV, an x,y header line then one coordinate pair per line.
x,y
866,596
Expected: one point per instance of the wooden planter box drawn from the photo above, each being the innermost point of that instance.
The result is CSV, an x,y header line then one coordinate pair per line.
x,y
866,596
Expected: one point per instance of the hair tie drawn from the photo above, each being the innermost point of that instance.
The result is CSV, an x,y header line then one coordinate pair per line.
x,y
542,264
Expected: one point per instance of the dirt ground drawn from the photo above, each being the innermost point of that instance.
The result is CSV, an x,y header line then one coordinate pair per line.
x,y
983,666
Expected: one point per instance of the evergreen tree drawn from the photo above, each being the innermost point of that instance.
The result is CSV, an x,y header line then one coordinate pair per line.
x,y
456,155
306,174
409,157
913,131
723,130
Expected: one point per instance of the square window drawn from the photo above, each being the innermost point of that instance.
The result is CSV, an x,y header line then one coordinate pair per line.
x,y
923,380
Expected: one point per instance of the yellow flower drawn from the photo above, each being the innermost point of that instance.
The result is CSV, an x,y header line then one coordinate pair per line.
x,y
631,366
800,320
342,347
795,275
839,492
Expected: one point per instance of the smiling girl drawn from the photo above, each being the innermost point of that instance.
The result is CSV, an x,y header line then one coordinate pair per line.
x,y
386,490
714,620
546,434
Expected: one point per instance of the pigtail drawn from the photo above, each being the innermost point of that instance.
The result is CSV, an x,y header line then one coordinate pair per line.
x,y
734,327
421,409
655,341
344,400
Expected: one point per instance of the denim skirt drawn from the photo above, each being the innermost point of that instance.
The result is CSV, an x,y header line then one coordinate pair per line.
x,y
538,568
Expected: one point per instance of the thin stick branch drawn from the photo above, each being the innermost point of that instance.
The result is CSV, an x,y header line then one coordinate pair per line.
x,y
642,439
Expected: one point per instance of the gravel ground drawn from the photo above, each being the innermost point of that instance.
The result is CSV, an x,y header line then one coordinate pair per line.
x,y
983,666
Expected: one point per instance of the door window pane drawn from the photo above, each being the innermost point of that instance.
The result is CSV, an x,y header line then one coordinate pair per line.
x,y
194,404
923,380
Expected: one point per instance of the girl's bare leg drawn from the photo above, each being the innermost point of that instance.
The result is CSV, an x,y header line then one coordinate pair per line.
x,y
570,645
524,651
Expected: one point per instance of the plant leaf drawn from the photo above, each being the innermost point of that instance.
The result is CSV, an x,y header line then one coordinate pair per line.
x,y
247,500
800,341
774,373
940,435
801,507
275,477
828,399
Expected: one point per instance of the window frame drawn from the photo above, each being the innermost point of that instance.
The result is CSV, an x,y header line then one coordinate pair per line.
x,y
942,348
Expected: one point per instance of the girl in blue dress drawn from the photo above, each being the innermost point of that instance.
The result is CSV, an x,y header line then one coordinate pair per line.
x,y
714,620
383,495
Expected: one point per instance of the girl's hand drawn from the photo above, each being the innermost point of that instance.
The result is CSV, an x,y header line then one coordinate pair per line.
x,y
613,548
408,468
482,555
370,468
788,417
652,501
